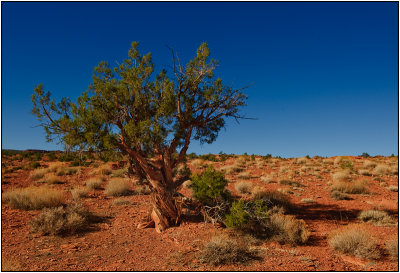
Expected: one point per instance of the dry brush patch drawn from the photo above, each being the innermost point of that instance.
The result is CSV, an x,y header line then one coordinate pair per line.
x,y
354,240
62,220
376,217
118,187
32,198
243,187
224,250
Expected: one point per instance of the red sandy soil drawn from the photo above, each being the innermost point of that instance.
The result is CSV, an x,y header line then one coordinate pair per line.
x,y
117,245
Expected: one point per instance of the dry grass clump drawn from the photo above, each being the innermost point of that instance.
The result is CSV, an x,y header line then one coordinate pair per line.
x,y
232,169
142,190
376,217
79,193
307,200
267,179
289,182
381,169
364,172
283,169
288,229
327,161
199,163
224,250
62,220
121,202
10,265
118,187
120,173
369,164
54,167
102,170
393,188
243,187
343,176
32,198
356,187
337,195
354,240
244,175
94,183
392,247
273,199
302,160
341,159
50,178
38,174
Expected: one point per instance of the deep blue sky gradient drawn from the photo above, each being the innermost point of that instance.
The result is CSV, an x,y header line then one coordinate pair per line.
x,y
325,74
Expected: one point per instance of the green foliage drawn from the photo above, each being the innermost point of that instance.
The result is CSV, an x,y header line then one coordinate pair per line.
x,y
365,155
267,156
346,164
67,157
307,156
35,165
209,157
191,156
209,186
237,216
52,156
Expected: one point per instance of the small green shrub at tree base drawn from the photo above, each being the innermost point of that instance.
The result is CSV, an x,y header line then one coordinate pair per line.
x,y
237,216
209,186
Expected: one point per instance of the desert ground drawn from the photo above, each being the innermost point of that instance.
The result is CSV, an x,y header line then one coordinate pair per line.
x,y
333,196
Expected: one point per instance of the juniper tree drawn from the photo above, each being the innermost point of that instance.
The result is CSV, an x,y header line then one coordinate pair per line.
x,y
150,119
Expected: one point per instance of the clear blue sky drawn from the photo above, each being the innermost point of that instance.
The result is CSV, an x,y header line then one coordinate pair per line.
x,y
325,74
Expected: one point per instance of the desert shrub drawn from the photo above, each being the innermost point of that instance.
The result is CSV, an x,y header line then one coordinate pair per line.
x,y
364,172
118,187
267,179
289,182
273,199
79,193
356,187
238,217
369,164
340,159
120,173
232,169
341,176
143,190
103,170
35,165
393,188
51,156
302,160
94,183
376,217
243,187
287,229
381,169
244,175
72,170
392,247
209,186
365,155
67,157
199,163
307,200
38,174
51,178
337,195
63,220
209,157
223,250
55,167
32,198
121,202
354,240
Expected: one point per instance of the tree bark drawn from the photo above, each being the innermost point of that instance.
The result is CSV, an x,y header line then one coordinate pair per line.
x,y
165,211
